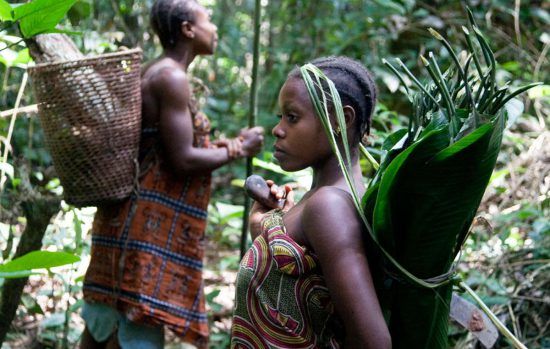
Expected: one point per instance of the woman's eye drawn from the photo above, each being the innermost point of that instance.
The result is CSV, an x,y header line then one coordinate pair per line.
x,y
288,117
292,118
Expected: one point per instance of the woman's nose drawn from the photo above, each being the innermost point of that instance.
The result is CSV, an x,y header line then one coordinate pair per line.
x,y
278,131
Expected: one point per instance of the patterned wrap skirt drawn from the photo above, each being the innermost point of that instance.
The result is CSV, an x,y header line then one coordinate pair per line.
x,y
281,298
147,252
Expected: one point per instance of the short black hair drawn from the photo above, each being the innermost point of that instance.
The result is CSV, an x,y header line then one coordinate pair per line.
x,y
354,84
167,17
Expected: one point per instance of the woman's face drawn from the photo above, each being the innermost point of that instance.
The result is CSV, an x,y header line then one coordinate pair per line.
x,y
301,140
206,32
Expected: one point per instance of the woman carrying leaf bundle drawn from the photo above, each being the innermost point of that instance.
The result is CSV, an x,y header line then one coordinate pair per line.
x,y
306,282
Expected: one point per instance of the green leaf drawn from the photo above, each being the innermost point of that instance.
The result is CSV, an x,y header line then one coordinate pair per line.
x,y
17,274
61,31
23,265
393,138
23,58
383,215
40,16
210,296
269,166
427,199
5,11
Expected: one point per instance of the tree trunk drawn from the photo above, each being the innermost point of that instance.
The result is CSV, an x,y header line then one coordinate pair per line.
x,y
38,212
46,48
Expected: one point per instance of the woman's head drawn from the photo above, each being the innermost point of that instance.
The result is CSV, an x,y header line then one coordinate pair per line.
x,y
354,84
301,139
174,20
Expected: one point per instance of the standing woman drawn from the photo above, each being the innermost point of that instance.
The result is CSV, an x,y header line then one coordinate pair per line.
x,y
305,282
147,252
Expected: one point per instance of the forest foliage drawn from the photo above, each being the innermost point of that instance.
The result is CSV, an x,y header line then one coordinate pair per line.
x,y
507,254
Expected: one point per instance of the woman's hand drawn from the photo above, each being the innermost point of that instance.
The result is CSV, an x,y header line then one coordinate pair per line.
x,y
258,211
234,146
253,139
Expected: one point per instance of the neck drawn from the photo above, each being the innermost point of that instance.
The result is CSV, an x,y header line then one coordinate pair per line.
x,y
330,174
182,53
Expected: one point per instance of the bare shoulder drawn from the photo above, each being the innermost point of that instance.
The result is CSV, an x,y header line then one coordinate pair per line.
x,y
327,211
329,201
167,78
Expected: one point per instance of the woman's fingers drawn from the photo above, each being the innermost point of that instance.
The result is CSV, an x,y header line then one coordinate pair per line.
x,y
289,198
280,193
234,147
237,147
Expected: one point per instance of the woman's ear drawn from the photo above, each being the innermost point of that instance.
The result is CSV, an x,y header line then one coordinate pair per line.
x,y
349,115
187,30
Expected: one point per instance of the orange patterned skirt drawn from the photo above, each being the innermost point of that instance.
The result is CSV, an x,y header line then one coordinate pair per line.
x,y
147,254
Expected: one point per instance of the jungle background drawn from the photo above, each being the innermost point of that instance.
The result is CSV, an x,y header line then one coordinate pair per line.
x,y
506,258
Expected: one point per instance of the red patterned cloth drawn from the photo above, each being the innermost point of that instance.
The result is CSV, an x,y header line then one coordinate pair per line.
x,y
147,252
281,298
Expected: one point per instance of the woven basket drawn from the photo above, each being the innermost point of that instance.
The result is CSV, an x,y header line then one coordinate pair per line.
x,y
90,111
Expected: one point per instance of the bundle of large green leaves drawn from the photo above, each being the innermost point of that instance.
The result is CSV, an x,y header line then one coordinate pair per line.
x,y
419,207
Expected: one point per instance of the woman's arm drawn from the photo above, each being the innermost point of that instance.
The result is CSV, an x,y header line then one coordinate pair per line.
x,y
334,231
171,88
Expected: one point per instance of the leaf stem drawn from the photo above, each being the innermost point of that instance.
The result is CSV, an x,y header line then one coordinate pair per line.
x,y
489,56
413,78
460,72
375,165
398,75
515,93
444,93
472,50
11,45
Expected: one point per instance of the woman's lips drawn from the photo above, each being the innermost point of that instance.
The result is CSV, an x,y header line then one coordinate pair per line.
x,y
278,152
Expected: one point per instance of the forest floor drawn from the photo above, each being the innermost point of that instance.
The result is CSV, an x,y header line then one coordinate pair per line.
x,y
40,319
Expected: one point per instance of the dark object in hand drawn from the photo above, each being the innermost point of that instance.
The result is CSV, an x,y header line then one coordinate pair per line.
x,y
257,189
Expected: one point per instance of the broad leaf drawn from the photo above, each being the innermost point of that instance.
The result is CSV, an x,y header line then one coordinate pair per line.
x,y
383,217
41,16
5,11
393,139
23,265
425,204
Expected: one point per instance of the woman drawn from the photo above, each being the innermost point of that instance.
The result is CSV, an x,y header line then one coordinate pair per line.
x,y
145,272
305,282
